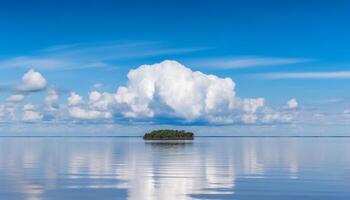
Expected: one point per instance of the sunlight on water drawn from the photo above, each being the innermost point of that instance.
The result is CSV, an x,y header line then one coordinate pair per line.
x,y
208,168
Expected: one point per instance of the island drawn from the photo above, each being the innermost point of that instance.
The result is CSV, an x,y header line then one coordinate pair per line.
x,y
168,134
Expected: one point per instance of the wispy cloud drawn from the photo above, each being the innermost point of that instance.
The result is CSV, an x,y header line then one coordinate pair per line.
x,y
78,56
306,75
247,62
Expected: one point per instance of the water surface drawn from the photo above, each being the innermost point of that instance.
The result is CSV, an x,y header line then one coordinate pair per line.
x,y
208,168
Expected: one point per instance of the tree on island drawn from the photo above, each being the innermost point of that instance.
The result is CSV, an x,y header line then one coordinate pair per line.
x,y
167,134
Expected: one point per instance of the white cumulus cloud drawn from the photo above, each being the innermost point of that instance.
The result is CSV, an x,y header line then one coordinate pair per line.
x,y
96,108
74,99
32,81
173,89
101,101
169,89
252,105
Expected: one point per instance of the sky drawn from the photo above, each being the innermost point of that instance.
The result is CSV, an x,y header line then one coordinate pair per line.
x,y
217,67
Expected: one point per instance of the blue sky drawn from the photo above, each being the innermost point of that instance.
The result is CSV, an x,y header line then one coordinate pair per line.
x,y
275,50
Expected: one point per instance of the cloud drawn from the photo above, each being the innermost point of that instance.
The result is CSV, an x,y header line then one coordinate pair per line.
x,y
292,103
95,96
15,98
32,81
28,106
251,105
35,61
170,89
13,111
31,115
101,101
276,117
306,75
51,99
247,62
96,108
80,56
74,99
249,118
81,113
8,112
162,93
169,92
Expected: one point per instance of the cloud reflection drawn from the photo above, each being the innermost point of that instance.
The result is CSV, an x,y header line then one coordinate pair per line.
x,y
128,168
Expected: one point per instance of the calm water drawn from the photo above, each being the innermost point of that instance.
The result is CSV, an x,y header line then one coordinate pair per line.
x,y
209,168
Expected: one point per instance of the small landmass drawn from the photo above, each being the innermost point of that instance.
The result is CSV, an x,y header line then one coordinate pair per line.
x,y
167,134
